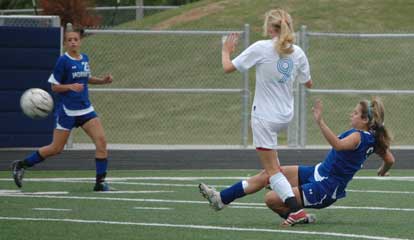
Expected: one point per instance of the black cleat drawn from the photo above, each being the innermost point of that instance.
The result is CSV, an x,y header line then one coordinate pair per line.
x,y
102,187
18,172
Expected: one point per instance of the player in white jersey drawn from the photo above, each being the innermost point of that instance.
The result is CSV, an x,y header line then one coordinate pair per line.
x,y
70,79
321,185
279,63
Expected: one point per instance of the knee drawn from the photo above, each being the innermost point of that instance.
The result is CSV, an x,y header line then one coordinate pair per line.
x,y
101,143
270,199
264,177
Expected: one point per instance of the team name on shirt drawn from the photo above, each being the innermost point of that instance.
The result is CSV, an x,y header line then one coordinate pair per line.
x,y
80,74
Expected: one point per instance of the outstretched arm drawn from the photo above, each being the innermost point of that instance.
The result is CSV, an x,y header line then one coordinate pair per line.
x,y
105,80
348,143
388,161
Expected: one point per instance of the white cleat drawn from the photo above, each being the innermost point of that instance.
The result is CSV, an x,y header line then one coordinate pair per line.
x,y
212,196
310,218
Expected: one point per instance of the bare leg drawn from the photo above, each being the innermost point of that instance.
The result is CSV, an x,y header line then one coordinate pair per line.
x,y
96,132
274,202
60,137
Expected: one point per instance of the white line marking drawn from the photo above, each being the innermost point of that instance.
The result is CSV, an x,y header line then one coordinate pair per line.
x,y
389,178
119,192
153,208
203,227
343,207
52,209
379,191
19,192
189,202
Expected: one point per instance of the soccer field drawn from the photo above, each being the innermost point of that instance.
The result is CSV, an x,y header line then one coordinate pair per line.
x,y
167,205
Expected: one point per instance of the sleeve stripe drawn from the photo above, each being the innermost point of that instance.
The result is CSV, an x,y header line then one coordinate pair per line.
x,y
53,80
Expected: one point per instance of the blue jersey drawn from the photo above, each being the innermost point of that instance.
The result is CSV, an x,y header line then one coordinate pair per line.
x,y
69,70
339,167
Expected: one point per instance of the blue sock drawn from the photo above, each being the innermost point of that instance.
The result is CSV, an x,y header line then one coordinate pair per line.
x,y
101,167
33,159
229,194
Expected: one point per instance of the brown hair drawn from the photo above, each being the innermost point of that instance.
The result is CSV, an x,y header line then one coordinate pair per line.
x,y
70,28
281,22
374,111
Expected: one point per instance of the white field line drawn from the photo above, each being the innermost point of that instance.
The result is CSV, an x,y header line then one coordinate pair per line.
x,y
169,201
52,209
122,192
389,178
5,191
343,207
153,208
65,180
202,227
379,191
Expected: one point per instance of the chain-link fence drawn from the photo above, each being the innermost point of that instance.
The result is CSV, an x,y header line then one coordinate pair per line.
x,y
110,16
168,88
347,68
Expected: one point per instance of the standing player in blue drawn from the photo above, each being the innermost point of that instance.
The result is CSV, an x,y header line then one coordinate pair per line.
x,y
70,80
279,64
321,185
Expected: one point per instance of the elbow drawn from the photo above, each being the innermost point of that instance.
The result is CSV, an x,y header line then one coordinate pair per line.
x,y
390,160
338,146
227,70
54,88
228,67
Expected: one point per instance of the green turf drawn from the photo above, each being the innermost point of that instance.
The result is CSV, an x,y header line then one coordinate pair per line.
x,y
380,223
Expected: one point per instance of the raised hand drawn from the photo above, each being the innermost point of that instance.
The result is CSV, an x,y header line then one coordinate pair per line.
x,y
317,110
107,79
230,42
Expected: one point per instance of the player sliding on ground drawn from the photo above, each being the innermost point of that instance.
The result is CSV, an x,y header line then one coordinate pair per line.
x,y
321,185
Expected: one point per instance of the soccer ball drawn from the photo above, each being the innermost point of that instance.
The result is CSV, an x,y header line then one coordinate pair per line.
x,y
36,103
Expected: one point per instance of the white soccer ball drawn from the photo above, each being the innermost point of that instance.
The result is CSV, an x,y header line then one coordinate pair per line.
x,y
36,103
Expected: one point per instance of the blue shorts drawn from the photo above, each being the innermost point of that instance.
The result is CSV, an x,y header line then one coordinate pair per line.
x,y
65,122
314,192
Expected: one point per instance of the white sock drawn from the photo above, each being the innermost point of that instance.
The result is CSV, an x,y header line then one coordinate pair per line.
x,y
245,184
281,186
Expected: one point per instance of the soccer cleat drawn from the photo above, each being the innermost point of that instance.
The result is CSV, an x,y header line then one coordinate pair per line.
x,y
212,196
310,218
296,218
102,187
18,172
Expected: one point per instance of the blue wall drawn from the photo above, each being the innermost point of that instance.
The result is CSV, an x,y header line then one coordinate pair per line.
x,y
27,58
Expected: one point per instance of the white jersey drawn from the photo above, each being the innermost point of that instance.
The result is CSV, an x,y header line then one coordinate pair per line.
x,y
273,98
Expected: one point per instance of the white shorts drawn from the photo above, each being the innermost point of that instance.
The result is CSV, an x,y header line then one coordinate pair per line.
x,y
265,133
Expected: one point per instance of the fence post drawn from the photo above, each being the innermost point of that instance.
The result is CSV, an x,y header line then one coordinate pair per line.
x,y
302,94
246,93
140,9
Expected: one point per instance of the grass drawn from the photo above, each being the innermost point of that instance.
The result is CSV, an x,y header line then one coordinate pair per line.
x,y
166,61
186,207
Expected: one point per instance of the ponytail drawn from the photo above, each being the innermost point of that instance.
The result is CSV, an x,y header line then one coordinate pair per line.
x,y
374,112
281,22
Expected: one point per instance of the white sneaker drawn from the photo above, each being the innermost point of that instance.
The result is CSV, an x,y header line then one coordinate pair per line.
x,y
212,196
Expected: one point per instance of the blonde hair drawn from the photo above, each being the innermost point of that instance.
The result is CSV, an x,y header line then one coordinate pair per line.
x,y
374,111
280,21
